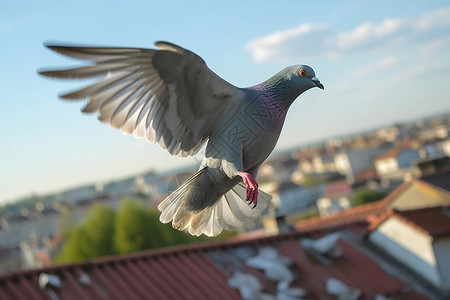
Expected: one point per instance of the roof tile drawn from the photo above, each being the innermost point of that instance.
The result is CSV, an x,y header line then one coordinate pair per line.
x,y
434,221
202,272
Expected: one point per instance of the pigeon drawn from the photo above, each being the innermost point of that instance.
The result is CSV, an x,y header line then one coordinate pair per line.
x,y
170,97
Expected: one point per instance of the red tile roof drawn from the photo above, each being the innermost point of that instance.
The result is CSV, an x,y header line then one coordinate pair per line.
x,y
177,273
337,189
397,150
352,217
391,153
434,221
358,217
202,272
366,175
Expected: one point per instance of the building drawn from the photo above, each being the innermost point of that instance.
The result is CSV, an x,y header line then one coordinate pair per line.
x,y
433,165
354,161
397,163
410,195
411,226
324,163
351,254
290,198
225,270
26,239
15,230
441,178
429,254
336,198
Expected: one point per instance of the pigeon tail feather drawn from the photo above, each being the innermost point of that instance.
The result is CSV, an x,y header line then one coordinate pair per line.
x,y
229,213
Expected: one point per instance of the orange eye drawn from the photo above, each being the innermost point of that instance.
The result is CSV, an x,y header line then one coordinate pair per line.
x,y
302,72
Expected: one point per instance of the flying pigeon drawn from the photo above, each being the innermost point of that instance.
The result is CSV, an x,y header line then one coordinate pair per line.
x,y
170,97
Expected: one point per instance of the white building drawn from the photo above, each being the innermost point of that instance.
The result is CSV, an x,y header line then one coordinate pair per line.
x,y
419,239
290,198
396,163
388,134
335,198
353,161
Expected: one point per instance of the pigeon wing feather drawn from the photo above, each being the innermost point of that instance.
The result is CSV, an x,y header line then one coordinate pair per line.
x,y
167,96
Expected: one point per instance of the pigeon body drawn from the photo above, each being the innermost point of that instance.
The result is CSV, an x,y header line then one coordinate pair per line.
x,y
170,97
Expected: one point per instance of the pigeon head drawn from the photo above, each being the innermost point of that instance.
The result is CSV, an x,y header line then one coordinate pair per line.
x,y
302,78
289,83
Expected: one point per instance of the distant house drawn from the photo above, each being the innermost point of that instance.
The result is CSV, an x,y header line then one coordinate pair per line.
x,y
396,163
290,198
388,134
353,161
306,165
410,195
445,146
417,194
411,225
440,178
435,149
441,131
428,255
368,177
335,198
312,265
324,163
429,166
18,228
279,169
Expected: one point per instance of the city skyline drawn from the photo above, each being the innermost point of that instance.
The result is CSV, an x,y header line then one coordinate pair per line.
x,y
380,65
101,185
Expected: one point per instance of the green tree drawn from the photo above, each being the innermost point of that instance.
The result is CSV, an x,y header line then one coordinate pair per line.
x,y
99,227
94,238
311,179
73,248
67,223
364,195
134,227
138,228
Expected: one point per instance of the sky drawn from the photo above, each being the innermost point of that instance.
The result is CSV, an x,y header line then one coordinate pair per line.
x,y
381,62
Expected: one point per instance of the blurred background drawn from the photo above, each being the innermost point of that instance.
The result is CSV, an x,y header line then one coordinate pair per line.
x,y
73,189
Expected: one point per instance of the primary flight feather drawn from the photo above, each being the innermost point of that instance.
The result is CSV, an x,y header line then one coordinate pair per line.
x,y
170,97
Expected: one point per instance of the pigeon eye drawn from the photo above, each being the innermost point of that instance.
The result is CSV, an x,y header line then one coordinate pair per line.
x,y
302,72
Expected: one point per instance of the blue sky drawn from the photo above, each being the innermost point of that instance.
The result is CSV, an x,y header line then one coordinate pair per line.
x,y
380,61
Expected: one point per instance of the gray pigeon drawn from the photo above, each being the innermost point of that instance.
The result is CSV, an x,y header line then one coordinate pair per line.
x,y
170,97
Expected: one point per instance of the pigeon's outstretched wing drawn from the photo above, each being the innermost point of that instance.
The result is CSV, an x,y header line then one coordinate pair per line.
x,y
169,95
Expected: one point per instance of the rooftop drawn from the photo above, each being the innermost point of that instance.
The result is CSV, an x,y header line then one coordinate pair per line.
x,y
337,189
394,152
440,178
352,217
413,193
202,272
434,221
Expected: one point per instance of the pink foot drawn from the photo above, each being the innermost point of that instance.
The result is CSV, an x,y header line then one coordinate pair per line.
x,y
252,187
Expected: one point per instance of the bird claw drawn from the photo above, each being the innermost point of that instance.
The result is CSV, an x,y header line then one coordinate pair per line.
x,y
250,202
252,188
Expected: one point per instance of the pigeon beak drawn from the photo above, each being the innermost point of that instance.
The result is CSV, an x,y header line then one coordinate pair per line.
x,y
317,82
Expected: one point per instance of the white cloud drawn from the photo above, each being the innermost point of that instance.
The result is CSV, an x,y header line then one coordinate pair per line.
x,y
377,67
11,26
368,36
320,40
306,39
